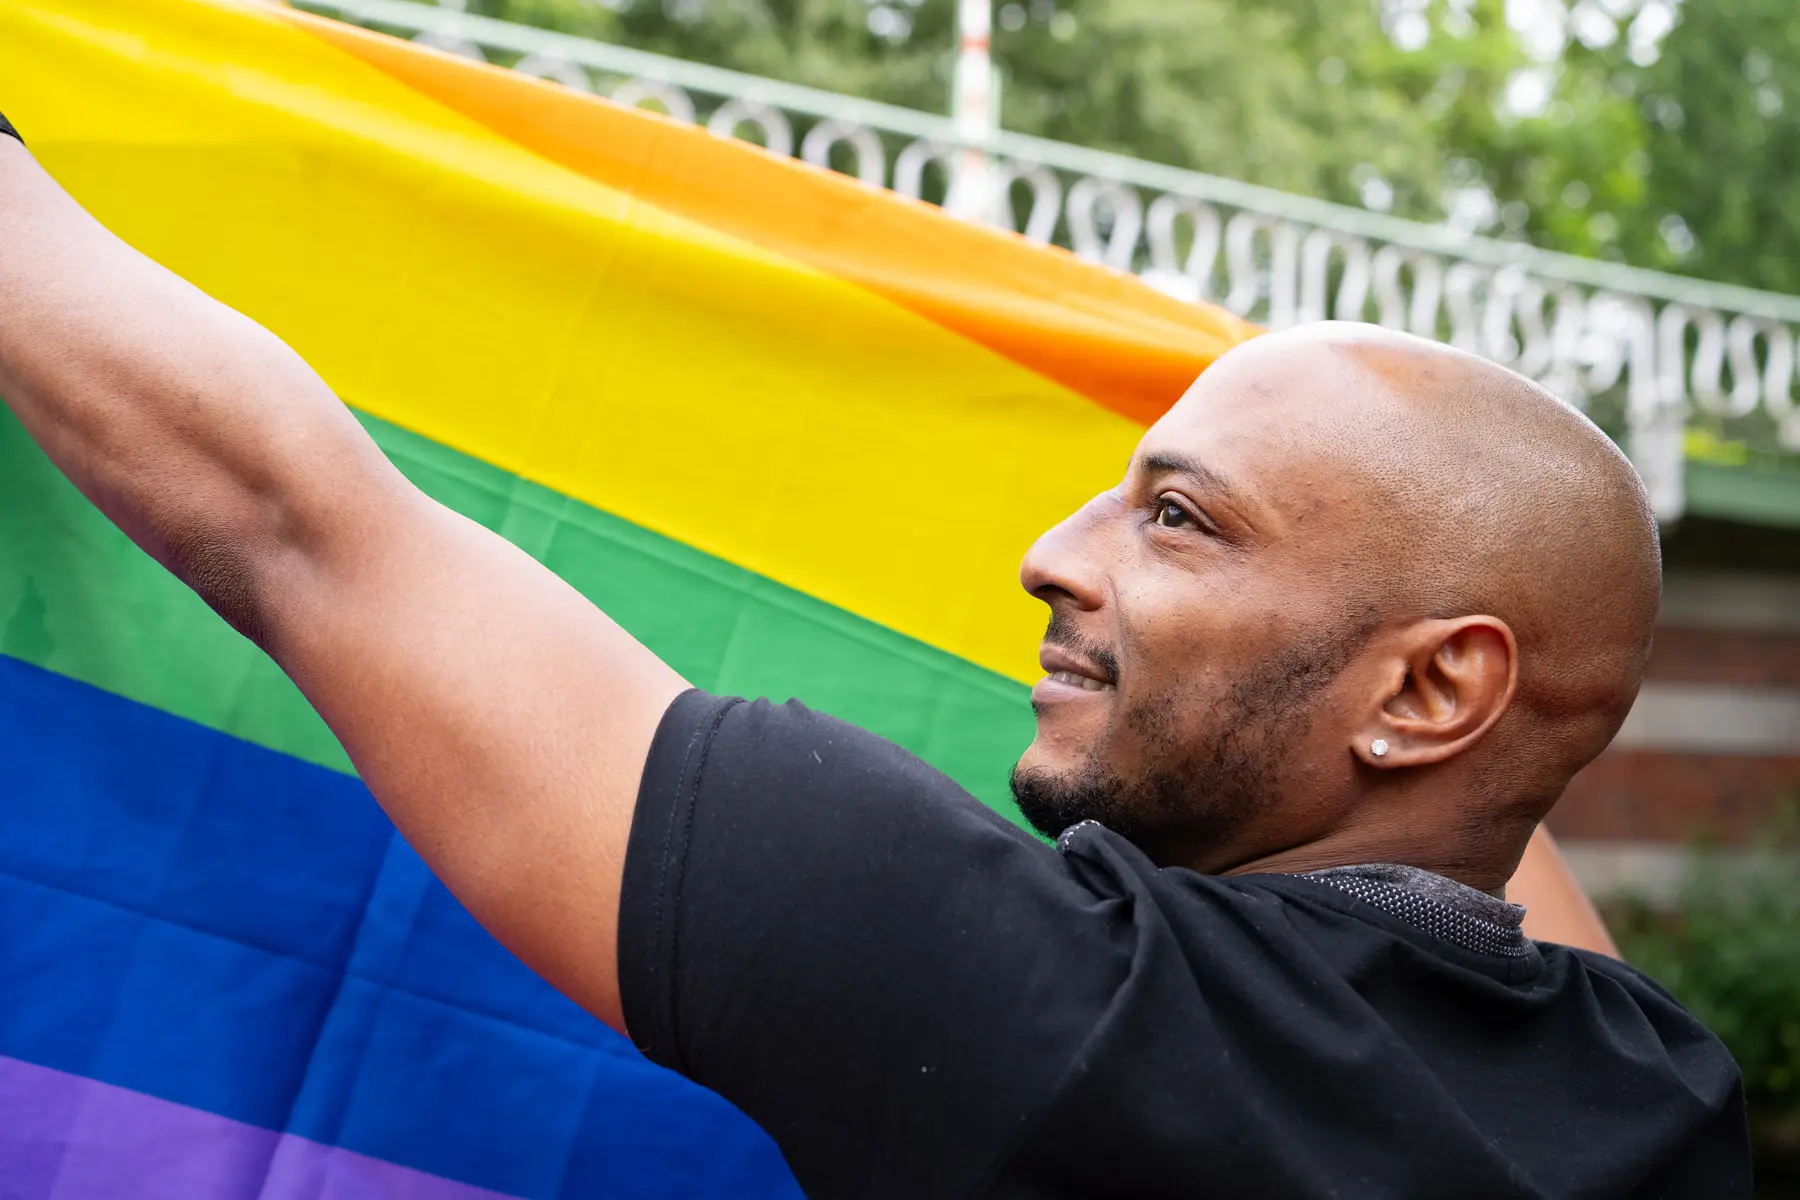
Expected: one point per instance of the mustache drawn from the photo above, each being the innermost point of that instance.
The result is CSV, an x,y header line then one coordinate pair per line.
x,y
1062,632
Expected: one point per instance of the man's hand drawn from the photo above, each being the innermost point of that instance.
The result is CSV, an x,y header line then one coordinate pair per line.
x,y
499,718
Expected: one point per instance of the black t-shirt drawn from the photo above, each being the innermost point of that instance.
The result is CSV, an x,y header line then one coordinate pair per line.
x,y
917,999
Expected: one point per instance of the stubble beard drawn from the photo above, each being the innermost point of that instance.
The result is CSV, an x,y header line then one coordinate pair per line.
x,y
1206,776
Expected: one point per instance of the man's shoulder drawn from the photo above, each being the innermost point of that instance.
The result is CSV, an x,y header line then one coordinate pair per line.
x,y
1320,1009
755,738
761,750
1626,1000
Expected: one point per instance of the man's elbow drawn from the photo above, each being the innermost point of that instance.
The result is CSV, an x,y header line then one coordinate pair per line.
x,y
245,545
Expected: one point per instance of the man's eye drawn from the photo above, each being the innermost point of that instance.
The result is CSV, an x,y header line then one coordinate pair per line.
x,y
1171,515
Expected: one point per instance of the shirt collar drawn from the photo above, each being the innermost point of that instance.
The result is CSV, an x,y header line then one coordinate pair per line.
x,y
1442,907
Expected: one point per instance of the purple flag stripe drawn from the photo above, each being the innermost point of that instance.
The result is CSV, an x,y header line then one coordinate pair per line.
x,y
63,1137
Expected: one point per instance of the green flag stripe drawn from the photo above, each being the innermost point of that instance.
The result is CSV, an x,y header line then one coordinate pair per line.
x,y
78,598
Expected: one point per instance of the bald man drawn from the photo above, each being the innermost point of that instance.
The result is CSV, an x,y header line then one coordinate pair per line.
x,y
1315,669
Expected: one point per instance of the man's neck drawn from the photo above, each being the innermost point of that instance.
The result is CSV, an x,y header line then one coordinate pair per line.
x,y
1348,849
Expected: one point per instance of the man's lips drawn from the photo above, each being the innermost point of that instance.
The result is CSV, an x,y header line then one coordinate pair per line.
x,y
1066,668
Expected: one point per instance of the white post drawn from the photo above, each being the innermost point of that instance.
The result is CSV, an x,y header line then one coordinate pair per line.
x,y
973,109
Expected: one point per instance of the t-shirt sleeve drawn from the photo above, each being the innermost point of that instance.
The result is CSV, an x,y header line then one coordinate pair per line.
x,y
883,973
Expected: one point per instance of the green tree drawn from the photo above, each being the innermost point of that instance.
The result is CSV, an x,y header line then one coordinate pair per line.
x,y
1722,109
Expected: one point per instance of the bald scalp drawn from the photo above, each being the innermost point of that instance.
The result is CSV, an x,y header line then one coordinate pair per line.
x,y
1488,495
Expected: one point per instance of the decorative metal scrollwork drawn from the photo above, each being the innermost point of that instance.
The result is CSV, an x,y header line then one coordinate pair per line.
x,y
871,159
450,44
1105,220
1189,279
675,102
1316,253
778,135
1270,274
1046,198
557,70
1395,308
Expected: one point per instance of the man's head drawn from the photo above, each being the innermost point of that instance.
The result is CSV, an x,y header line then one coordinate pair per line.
x,y
1359,597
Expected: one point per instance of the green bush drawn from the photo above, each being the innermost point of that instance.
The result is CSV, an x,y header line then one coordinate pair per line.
x,y
1730,951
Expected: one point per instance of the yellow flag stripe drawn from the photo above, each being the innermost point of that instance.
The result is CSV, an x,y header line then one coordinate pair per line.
x,y
449,281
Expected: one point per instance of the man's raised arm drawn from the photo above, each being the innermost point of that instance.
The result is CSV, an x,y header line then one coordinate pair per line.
x,y
501,720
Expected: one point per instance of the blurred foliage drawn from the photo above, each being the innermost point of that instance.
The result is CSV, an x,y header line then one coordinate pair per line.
x,y
1723,126
1663,132
1730,951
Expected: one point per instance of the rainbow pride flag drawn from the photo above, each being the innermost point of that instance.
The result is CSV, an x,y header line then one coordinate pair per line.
x,y
794,433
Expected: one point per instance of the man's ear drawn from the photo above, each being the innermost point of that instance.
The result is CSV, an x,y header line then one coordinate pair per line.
x,y
1448,682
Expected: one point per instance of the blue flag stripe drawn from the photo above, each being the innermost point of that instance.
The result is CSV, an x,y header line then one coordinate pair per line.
x,y
215,924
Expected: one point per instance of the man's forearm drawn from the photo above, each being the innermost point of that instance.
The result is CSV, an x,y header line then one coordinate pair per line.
x,y
502,721
1556,907
193,428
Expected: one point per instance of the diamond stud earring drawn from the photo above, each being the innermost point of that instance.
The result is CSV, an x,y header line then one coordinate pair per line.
x,y
1379,747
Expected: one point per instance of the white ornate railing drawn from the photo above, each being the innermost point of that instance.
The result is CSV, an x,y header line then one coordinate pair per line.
x,y
1649,353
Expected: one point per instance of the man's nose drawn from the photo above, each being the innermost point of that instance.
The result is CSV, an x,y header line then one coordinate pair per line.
x,y
1066,562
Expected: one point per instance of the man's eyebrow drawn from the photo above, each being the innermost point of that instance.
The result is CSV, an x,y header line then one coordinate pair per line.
x,y
1167,463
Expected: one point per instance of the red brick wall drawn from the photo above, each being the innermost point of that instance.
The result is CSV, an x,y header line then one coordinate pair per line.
x,y
1676,779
